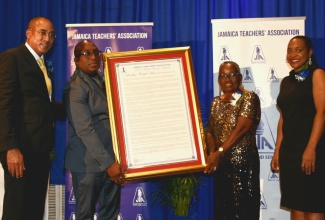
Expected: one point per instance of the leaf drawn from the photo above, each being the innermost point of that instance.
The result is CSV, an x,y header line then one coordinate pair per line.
x,y
177,192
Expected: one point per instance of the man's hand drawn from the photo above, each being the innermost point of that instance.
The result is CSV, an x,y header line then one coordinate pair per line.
x,y
15,163
116,173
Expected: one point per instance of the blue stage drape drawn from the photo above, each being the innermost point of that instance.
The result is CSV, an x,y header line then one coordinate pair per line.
x,y
176,23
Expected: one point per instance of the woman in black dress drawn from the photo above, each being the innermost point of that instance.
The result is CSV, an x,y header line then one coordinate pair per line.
x,y
299,154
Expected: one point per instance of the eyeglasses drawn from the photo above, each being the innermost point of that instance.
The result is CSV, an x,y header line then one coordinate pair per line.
x,y
44,34
89,54
230,75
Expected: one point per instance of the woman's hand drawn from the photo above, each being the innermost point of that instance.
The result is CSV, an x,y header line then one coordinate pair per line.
x,y
213,162
308,161
275,165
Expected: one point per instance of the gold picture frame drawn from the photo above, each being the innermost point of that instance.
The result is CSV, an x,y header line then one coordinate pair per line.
x,y
154,112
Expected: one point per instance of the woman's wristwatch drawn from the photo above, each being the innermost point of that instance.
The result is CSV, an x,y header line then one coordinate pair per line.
x,y
220,149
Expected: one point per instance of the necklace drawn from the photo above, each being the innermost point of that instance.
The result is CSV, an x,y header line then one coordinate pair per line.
x,y
235,97
302,73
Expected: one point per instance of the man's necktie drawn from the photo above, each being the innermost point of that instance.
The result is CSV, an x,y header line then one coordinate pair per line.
x,y
47,79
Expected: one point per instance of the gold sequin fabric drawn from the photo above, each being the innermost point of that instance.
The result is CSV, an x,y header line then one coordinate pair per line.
x,y
236,181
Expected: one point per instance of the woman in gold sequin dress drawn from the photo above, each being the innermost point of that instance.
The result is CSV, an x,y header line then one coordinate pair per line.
x,y
233,155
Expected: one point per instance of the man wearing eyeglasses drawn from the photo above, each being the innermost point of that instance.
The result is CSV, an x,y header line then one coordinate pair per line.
x,y
27,123
96,176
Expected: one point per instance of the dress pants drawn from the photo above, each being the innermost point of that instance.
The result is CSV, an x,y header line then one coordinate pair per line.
x,y
92,188
24,197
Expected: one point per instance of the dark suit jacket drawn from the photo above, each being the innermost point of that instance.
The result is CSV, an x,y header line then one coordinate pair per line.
x,y
26,112
89,140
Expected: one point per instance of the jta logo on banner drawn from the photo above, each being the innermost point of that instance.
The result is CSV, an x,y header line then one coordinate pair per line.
x,y
139,197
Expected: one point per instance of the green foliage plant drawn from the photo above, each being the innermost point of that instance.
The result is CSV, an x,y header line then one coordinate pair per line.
x,y
178,193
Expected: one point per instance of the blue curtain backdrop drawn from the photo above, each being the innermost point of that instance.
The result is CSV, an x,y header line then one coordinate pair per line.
x,y
176,23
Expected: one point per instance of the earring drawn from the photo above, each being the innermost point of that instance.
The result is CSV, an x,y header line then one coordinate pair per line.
x,y
310,62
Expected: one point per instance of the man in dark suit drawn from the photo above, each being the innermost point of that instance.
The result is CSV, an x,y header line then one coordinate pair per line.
x,y
96,177
27,123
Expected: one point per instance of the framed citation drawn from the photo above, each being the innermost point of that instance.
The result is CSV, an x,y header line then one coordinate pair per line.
x,y
154,112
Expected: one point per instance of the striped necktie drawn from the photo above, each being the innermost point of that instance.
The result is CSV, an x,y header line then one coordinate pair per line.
x,y
47,79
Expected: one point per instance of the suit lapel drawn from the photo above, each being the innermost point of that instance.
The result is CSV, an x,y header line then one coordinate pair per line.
x,y
30,60
35,67
92,83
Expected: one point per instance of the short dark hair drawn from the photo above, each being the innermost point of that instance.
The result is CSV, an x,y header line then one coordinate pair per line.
x,y
33,21
309,46
79,47
307,40
231,63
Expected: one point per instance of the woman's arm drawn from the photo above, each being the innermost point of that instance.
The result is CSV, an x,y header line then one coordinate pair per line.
x,y
243,126
209,140
275,165
309,156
